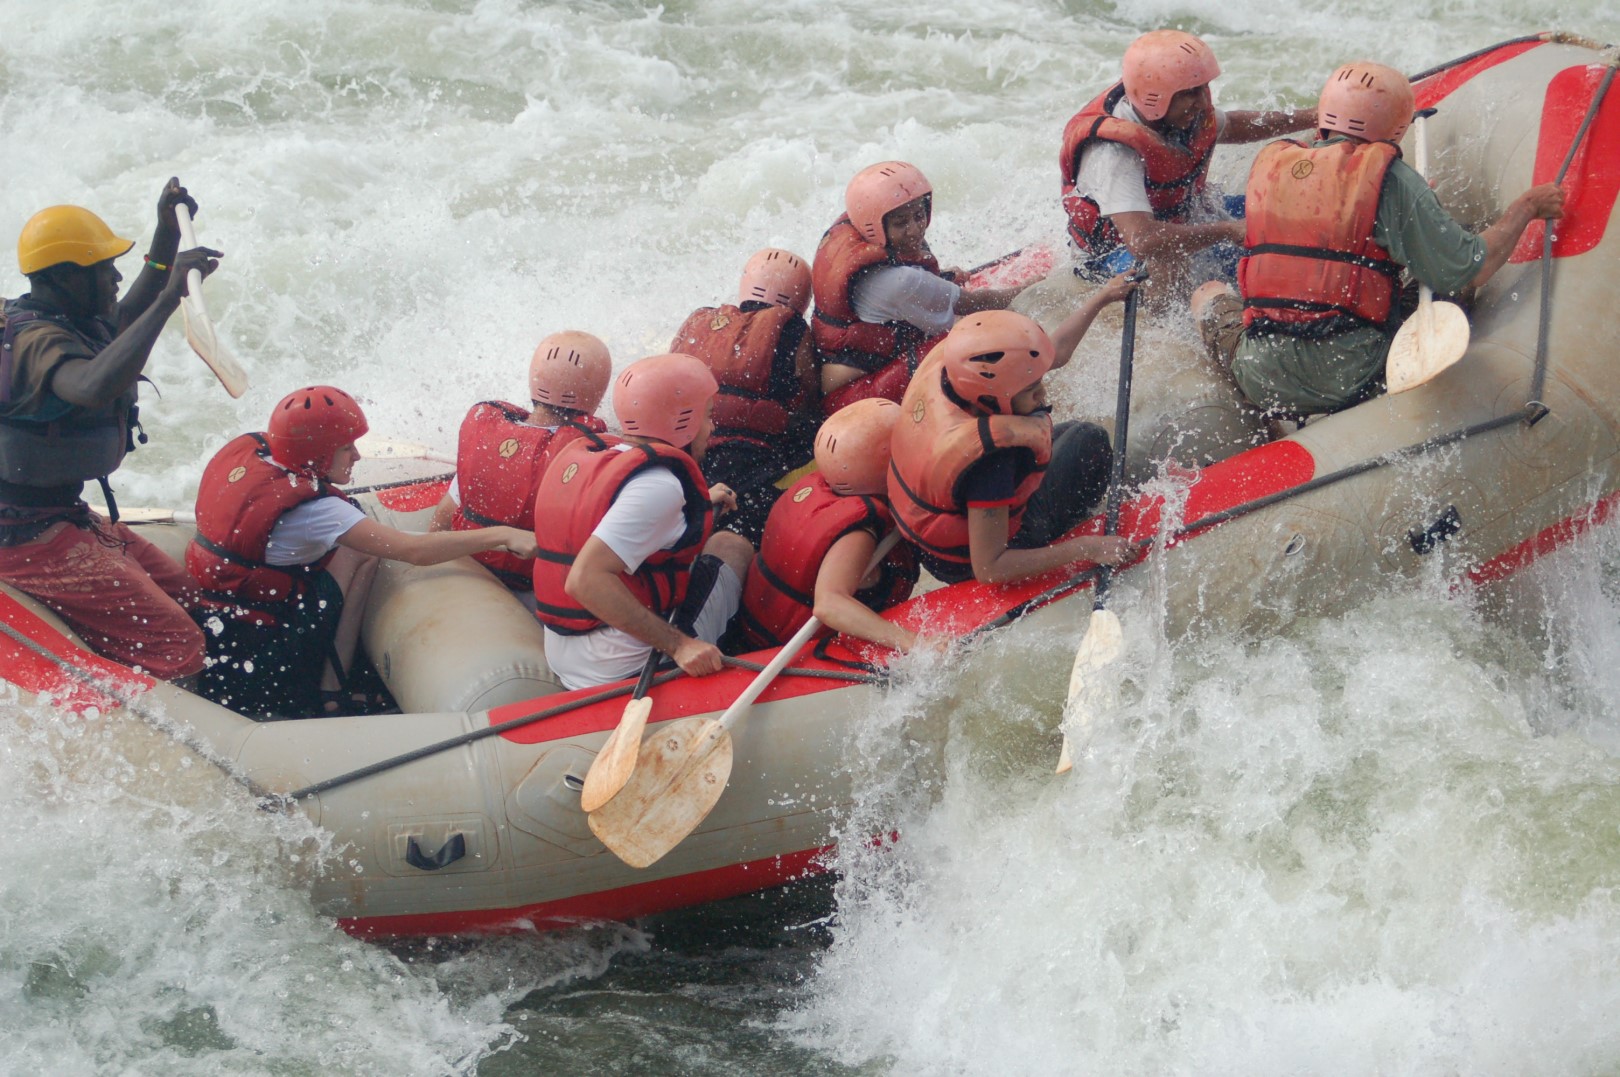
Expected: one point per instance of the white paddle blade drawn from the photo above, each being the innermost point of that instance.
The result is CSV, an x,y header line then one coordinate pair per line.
x,y
682,770
199,327
1102,643
1428,342
617,758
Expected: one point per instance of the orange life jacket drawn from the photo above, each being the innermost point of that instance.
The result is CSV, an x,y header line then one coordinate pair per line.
x,y
751,351
241,496
499,461
885,353
1312,268
939,437
779,595
576,492
1175,173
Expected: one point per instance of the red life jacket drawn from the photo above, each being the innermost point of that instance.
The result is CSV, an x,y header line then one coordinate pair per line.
x,y
751,351
779,595
241,496
939,437
1175,173
499,461
886,353
578,489
1312,267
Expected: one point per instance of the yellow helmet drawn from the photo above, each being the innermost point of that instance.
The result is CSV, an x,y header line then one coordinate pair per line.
x,y
67,234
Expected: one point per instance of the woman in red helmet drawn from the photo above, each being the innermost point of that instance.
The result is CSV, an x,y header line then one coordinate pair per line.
x,y
286,560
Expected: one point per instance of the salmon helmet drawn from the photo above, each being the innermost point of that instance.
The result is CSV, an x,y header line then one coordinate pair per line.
x,y
665,397
310,425
990,357
852,447
879,189
570,371
776,276
1367,100
1160,64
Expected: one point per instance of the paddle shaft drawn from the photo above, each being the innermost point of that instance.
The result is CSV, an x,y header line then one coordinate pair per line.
x,y
1122,423
1420,161
188,240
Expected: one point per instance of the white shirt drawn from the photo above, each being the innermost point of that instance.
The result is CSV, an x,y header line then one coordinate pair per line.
x,y
647,516
906,294
306,533
1114,176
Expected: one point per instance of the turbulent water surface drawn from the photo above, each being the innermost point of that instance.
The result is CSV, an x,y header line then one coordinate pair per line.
x,y
1386,842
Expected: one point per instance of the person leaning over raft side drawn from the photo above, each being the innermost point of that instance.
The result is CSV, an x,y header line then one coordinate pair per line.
x,y
1316,327
821,535
981,482
759,352
503,449
287,560
70,360
634,539
881,299
1135,163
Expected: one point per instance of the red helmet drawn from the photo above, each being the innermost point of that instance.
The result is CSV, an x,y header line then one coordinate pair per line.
x,y
1366,100
776,276
992,356
570,370
1160,64
665,397
878,189
852,447
311,424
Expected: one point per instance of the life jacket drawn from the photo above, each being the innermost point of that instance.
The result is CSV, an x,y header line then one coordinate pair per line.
x,y
60,444
750,350
779,594
499,461
1312,267
242,494
576,492
939,437
1175,173
885,353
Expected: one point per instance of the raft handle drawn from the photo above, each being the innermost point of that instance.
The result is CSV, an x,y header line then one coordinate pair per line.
x,y
1426,539
452,850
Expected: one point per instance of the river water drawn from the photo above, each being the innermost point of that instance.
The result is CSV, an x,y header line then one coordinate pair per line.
x,y
1387,842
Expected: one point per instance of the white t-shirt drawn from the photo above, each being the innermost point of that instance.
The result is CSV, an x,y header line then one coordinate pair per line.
x,y
906,294
1113,175
306,533
647,516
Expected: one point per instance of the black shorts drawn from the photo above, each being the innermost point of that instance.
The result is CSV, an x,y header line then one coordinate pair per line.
x,y
269,672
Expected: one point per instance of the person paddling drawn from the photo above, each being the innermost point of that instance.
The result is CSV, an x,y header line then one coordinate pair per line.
x,y
629,560
503,449
882,300
71,358
759,352
287,560
1331,224
821,535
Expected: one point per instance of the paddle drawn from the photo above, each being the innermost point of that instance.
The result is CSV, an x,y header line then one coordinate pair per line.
x,y
684,768
617,756
1436,335
1104,639
199,329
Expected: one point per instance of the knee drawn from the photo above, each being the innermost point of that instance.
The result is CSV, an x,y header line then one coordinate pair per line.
x,y
733,549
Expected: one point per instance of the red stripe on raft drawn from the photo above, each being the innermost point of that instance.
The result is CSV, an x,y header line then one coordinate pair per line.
x,y
1436,88
624,903
1544,542
35,673
1592,182
411,498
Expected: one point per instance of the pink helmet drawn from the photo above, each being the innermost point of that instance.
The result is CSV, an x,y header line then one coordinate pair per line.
x,y
310,425
570,370
776,276
664,397
852,446
1366,100
1160,64
878,189
992,356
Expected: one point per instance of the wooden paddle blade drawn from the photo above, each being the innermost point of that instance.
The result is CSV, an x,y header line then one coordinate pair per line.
x,y
617,757
682,770
1425,346
1102,643
205,342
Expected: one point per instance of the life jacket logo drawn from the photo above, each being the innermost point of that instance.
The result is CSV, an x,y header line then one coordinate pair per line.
x,y
236,474
719,322
509,448
1301,169
569,472
918,410
804,492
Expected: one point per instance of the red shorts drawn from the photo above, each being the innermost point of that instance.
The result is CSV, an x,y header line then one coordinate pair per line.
x,y
123,598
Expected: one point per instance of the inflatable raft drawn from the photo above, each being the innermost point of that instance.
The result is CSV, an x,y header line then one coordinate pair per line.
x,y
462,813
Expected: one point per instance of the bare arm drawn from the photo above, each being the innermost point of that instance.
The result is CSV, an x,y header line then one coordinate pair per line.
x,y
1150,240
995,562
165,244
1257,126
986,299
596,581
378,540
443,513
1545,202
836,605
1067,336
